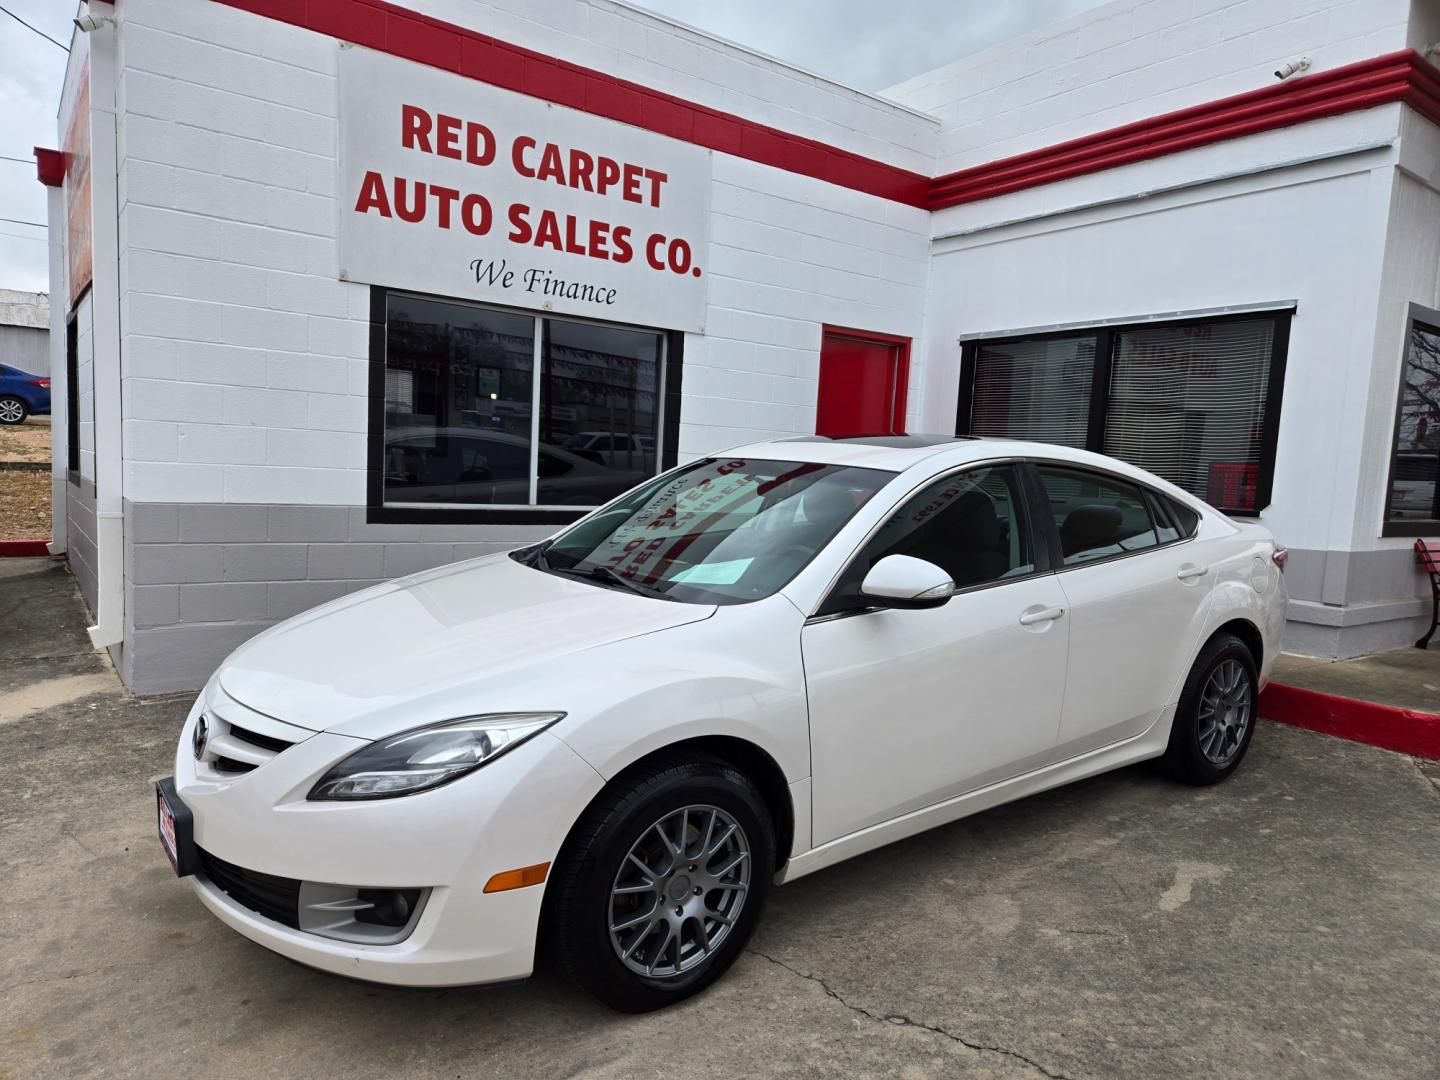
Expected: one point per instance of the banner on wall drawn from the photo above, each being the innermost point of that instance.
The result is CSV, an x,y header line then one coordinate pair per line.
x,y
453,187
77,192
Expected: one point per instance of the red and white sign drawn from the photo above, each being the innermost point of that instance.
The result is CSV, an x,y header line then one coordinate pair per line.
x,y
451,186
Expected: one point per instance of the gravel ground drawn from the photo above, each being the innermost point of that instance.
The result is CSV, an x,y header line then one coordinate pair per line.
x,y
29,441
24,505
25,493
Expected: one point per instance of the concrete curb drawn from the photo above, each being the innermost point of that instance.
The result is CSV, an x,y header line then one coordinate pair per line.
x,y
1386,726
24,549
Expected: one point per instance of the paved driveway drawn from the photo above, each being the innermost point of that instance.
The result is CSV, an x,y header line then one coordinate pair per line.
x,y
1284,924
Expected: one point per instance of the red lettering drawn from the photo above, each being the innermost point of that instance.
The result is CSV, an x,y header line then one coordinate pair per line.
x,y
414,128
520,231
372,195
415,211
609,172
447,136
656,178
620,237
475,214
550,164
547,233
656,263
631,192
479,144
572,243
581,165
445,198
517,155
598,235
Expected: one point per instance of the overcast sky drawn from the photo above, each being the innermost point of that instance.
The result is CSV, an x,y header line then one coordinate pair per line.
x,y
861,43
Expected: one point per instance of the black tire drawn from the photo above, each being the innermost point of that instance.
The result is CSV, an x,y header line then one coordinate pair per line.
x,y
9,404
1185,759
578,900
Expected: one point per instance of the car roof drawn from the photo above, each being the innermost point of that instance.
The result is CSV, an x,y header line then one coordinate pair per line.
x,y
897,453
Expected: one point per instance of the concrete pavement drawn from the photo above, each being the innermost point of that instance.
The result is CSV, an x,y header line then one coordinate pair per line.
x,y
1284,924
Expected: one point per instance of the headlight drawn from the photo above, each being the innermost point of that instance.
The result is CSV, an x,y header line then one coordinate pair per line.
x,y
430,756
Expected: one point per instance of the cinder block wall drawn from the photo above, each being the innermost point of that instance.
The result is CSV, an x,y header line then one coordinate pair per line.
x,y
1123,62
245,359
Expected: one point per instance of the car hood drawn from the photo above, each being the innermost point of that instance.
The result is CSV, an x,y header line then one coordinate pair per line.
x,y
428,648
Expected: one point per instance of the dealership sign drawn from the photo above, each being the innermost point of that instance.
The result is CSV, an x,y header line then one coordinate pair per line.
x,y
451,186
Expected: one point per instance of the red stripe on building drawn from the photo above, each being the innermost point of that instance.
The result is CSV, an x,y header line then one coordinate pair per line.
x,y
1385,726
1403,76
412,36
1399,76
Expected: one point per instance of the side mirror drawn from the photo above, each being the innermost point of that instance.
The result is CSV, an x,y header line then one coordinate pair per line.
x,y
900,581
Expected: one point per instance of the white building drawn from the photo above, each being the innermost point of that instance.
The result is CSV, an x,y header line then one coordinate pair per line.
x,y
375,289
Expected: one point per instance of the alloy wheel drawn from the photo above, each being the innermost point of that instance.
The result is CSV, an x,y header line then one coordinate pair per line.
x,y
679,891
1226,706
11,411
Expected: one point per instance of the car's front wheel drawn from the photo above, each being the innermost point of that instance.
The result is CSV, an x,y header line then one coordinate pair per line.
x,y
661,883
1215,719
13,410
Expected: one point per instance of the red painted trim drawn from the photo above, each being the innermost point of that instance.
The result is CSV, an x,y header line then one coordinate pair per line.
x,y
50,166
20,549
410,35
1387,726
1403,76
1400,76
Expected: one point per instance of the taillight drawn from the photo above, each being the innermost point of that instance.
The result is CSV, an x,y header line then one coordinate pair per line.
x,y
1279,555
44,384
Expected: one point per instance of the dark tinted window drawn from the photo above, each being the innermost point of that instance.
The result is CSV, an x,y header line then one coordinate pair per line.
x,y
1195,402
972,525
1414,494
460,401
719,531
1097,517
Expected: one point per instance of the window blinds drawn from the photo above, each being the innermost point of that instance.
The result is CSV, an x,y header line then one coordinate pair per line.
x,y
1188,403
1038,389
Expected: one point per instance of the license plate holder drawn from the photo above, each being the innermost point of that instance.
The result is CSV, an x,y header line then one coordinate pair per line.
x,y
176,826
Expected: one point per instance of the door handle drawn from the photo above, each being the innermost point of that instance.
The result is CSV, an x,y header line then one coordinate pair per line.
x,y
1030,618
1185,573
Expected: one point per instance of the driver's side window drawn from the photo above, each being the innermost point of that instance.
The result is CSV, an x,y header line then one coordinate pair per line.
x,y
971,524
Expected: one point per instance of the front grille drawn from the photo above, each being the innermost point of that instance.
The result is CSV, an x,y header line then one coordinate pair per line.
x,y
277,898
265,742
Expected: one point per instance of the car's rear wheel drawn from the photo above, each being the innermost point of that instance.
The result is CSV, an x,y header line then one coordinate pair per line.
x,y
13,410
661,883
1215,719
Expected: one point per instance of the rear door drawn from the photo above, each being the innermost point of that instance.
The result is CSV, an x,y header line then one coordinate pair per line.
x,y
1138,592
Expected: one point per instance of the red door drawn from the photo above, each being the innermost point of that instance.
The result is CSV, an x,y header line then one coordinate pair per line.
x,y
863,379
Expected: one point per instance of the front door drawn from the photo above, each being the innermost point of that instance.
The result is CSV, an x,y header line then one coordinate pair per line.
x,y
910,708
863,380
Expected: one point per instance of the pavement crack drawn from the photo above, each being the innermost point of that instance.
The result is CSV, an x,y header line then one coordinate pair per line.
x,y
901,1020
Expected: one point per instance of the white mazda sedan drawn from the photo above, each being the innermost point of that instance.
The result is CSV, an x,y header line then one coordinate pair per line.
x,y
611,744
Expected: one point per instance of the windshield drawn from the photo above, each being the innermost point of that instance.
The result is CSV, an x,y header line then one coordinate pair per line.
x,y
719,531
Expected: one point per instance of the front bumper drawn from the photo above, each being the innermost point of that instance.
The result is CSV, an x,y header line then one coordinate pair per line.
x,y
511,813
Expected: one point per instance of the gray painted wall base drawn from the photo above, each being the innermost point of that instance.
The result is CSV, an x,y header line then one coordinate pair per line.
x,y
202,578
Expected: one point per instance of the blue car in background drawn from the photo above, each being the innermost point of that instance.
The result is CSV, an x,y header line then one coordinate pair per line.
x,y
22,394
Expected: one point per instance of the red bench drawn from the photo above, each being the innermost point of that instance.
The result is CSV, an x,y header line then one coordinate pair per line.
x,y
1430,561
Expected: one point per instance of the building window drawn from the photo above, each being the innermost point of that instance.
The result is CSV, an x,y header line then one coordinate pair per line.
x,y
512,415
1196,401
1412,505
72,398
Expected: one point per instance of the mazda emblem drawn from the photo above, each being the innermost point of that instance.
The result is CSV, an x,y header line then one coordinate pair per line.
x,y
199,736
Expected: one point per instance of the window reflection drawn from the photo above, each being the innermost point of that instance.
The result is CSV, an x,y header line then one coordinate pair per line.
x,y
459,402
1414,493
